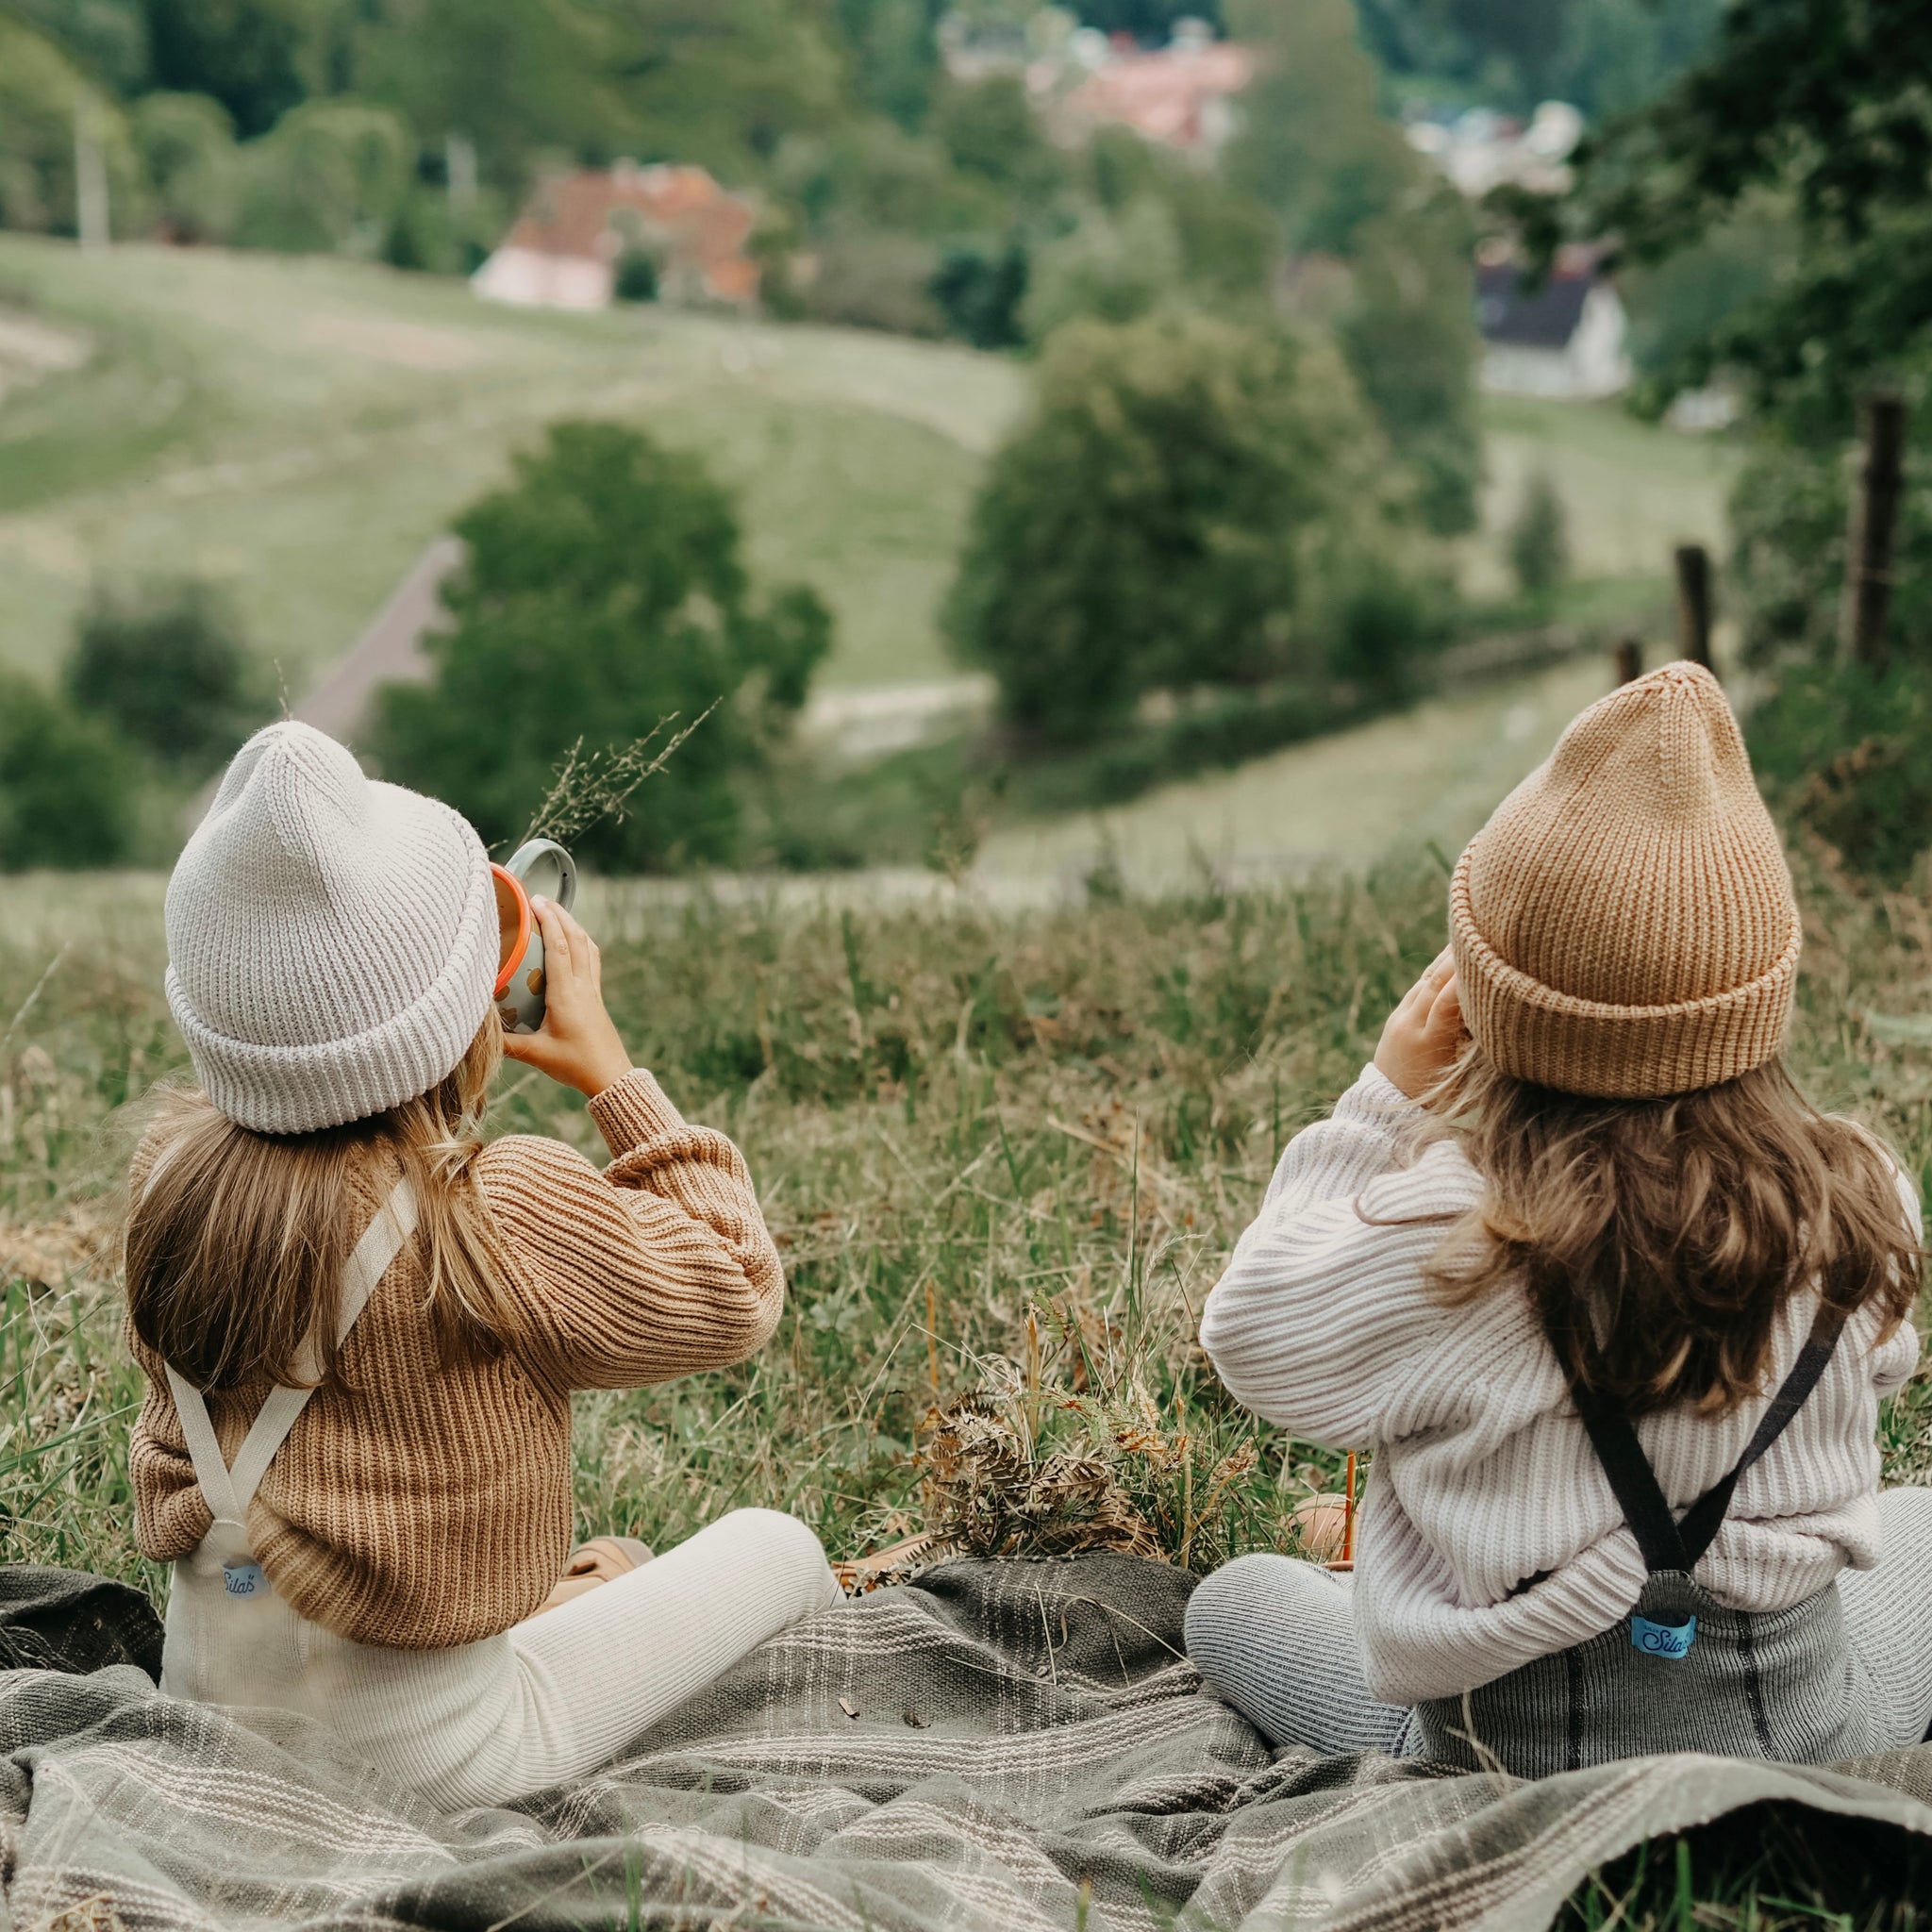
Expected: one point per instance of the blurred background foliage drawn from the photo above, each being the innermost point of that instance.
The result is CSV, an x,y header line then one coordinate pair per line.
x,y
1285,324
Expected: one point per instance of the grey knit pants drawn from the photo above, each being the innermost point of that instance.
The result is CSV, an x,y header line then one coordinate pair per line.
x,y
1275,1638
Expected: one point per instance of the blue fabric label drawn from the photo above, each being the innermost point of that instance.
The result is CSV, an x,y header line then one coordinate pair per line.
x,y
1662,1640
243,1579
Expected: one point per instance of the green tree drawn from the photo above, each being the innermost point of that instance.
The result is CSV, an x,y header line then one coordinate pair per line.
x,y
1156,519
516,78
1313,144
1317,149
894,55
65,792
331,176
1146,20
1826,105
1789,512
980,291
987,128
1409,331
109,37
167,662
1606,56
1540,538
41,92
604,590
187,145
718,81
257,58
1111,268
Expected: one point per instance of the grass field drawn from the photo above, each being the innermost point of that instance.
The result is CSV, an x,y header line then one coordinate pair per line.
x,y
1394,785
1004,1150
298,429
1630,490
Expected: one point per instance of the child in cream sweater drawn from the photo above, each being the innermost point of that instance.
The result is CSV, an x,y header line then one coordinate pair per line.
x,y
1612,1305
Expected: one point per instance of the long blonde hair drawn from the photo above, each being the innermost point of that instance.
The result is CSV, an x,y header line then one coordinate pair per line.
x,y
236,1245
1659,1240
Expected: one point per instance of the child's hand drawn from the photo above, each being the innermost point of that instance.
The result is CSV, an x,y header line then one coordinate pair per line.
x,y
1425,1032
576,1043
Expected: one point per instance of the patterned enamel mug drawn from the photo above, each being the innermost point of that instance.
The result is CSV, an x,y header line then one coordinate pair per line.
x,y
542,869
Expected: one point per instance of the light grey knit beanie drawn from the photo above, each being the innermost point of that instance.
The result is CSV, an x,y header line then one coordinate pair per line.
x,y
331,940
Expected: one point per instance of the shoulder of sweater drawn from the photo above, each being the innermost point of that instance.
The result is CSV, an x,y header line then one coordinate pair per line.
x,y
511,1169
1437,1185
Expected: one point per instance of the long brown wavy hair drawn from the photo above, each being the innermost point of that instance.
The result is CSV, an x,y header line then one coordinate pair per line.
x,y
236,1243
1659,1240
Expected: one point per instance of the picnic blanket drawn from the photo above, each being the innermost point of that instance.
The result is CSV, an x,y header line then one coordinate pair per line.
x,y
996,1748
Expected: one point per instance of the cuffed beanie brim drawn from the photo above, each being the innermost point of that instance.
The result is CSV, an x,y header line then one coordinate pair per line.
x,y
1623,927
331,940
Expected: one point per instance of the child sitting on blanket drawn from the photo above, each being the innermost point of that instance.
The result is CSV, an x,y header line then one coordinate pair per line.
x,y
361,1326
1613,1304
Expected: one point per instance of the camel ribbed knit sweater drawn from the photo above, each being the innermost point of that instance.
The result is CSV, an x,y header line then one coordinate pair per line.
x,y
423,1506
1484,1477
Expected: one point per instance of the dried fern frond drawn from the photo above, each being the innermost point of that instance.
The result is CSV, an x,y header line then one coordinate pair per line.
x,y
989,1493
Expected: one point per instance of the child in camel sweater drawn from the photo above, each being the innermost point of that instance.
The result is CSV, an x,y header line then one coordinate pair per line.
x,y
361,1326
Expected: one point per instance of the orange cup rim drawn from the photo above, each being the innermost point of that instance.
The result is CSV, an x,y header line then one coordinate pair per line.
x,y
523,945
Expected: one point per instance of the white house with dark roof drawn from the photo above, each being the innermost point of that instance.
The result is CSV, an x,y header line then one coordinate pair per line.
x,y
1568,338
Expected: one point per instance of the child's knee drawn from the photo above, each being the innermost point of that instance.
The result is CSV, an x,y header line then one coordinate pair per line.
x,y
1227,1605
790,1560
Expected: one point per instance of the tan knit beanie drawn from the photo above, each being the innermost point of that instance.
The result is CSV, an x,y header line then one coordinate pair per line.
x,y
1624,926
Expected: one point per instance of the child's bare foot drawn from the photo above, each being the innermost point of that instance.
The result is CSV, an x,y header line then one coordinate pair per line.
x,y
603,1559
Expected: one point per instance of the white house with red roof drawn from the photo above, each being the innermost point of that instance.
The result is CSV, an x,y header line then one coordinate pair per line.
x,y
1181,95
574,231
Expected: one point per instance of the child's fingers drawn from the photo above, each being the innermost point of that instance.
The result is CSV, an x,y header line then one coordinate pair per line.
x,y
1445,1010
532,1049
581,946
560,963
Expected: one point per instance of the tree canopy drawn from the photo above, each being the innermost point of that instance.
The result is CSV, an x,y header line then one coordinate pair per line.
x,y
1157,521
603,591
1820,107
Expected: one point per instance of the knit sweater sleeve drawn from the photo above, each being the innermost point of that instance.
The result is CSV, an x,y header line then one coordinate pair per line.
x,y
1322,1319
658,1266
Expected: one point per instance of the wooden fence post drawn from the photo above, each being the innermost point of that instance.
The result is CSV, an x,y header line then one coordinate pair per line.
x,y
1869,541
1628,658
1694,603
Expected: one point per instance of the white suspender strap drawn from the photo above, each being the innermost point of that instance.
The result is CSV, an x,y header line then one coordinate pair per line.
x,y
228,1492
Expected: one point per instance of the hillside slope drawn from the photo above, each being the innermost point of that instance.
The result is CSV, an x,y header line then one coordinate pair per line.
x,y
300,427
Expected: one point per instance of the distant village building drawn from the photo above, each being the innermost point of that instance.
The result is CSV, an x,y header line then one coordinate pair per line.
x,y
1567,338
1480,149
575,229
1181,95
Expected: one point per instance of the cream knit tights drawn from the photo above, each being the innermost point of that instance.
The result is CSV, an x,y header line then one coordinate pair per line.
x,y
554,1698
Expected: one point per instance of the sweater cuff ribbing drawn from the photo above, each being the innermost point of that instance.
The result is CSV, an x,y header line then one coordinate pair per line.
x,y
634,1110
1373,1093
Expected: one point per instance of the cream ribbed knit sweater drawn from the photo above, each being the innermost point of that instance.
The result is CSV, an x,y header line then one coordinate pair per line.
x,y
1483,1475
423,1507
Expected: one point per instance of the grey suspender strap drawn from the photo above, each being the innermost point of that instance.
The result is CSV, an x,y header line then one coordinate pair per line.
x,y
229,1491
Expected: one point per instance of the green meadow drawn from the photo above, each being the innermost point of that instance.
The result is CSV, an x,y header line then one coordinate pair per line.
x,y
297,428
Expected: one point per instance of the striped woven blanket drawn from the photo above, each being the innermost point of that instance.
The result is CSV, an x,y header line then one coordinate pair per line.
x,y
998,1748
